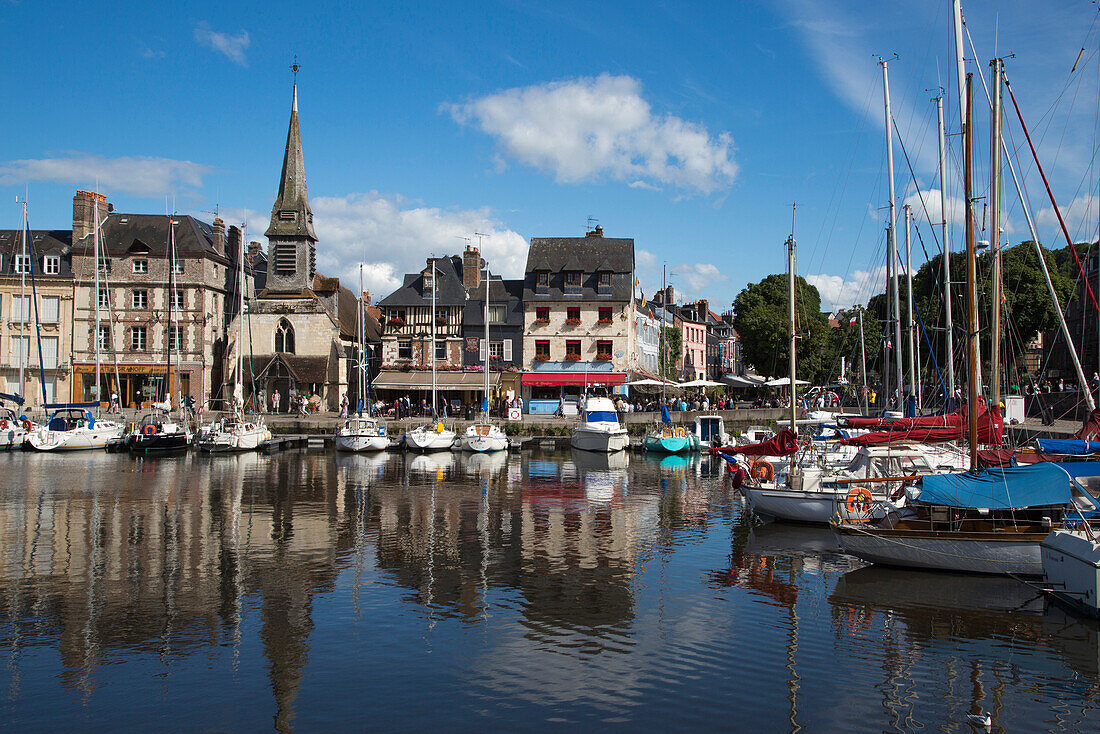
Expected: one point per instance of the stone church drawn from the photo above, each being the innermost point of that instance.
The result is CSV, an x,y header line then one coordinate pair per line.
x,y
300,327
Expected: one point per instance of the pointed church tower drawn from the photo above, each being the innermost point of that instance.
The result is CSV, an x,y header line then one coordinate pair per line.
x,y
292,249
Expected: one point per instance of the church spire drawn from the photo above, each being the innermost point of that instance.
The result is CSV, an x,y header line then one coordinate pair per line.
x,y
291,215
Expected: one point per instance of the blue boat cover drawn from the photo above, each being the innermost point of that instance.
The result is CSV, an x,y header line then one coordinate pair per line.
x,y
1033,485
18,400
1067,446
665,417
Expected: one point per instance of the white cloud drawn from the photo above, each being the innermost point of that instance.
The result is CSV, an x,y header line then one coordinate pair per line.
x,y
1080,216
838,292
588,128
232,47
391,236
697,277
135,175
932,205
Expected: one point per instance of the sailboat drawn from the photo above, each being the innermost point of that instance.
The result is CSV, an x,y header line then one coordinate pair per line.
x,y
15,427
158,431
664,437
485,436
72,426
434,436
234,433
359,432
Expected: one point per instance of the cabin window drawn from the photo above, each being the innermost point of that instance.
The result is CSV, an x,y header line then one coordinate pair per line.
x,y
284,337
140,298
137,338
141,266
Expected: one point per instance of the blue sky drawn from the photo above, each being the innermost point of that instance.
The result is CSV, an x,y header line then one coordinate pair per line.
x,y
689,128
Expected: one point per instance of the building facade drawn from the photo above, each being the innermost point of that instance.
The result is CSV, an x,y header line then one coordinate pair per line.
x,y
578,315
505,345
647,338
36,287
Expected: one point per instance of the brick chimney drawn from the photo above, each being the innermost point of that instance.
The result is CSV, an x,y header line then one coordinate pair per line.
x,y
84,213
471,268
233,249
597,232
253,252
704,310
219,236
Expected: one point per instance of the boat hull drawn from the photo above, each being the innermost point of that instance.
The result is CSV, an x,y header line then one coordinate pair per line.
x,y
1071,568
586,439
429,440
160,443
990,553
669,444
234,442
362,442
94,439
817,507
484,444
12,439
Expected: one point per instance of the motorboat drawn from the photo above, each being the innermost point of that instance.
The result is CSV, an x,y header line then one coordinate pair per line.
x,y
484,437
988,521
600,429
158,432
232,433
362,434
1071,567
13,429
433,437
709,432
74,428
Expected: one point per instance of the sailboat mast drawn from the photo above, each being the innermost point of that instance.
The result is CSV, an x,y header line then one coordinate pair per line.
x,y
971,286
793,338
486,362
95,297
661,330
24,344
360,334
171,303
239,392
435,286
949,326
960,61
892,242
910,326
863,362
995,230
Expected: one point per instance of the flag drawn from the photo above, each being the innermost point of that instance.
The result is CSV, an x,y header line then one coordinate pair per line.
x,y
852,321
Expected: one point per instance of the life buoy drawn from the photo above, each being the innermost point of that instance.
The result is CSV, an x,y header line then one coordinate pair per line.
x,y
148,429
762,471
858,500
27,425
679,432
3,425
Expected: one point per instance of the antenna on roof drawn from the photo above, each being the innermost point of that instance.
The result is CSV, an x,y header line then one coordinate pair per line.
x,y
591,221
464,239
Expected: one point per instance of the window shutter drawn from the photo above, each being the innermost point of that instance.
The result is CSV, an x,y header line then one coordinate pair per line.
x,y
507,350
50,308
481,350
49,352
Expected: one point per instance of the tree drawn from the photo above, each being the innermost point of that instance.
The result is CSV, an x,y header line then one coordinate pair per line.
x,y
844,342
672,349
760,316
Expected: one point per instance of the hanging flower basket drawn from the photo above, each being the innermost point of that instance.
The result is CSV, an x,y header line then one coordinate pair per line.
x,y
541,322
603,357
572,357
572,322
604,322
542,357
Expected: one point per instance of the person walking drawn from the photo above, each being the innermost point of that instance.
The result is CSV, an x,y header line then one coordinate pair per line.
x,y
344,406
116,407
275,401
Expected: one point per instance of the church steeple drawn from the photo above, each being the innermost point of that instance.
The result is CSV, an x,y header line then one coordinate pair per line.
x,y
291,235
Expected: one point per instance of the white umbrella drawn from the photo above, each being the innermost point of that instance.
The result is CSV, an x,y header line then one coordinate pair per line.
x,y
735,381
785,382
702,383
649,382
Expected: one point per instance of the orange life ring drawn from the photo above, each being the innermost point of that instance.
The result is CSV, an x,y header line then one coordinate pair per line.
x,y
3,425
858,500
679,432
27,425
762,471
148,429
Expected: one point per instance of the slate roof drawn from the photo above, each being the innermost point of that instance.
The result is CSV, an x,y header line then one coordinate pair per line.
x,y
501,292
449,288
590,255
293,196
43,242
125,234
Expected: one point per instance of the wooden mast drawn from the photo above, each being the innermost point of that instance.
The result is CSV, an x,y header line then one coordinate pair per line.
x,y
971,284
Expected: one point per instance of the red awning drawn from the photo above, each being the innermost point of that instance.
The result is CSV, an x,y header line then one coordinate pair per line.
x,y
580,379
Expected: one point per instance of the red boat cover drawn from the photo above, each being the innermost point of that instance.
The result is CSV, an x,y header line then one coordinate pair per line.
x,y
947,420
1090,431
784,443
998,458
990,433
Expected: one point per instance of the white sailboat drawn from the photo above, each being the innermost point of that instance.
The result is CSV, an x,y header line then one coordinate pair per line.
x,y
234,433
434,436
359,432
73,427
600,429
485,436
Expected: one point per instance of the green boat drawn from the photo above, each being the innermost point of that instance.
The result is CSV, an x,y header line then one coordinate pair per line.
x,y
669,439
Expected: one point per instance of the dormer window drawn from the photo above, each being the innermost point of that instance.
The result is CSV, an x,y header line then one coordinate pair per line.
x,y
429,281
542,279
605,281
573,279
141,266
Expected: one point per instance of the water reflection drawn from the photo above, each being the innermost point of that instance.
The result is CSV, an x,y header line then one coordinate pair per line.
x,y
232,592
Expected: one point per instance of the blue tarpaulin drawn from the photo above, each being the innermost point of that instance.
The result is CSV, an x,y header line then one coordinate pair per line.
x,y
1035,485
1067,446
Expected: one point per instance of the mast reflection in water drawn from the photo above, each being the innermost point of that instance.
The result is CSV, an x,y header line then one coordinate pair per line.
x,y
522,591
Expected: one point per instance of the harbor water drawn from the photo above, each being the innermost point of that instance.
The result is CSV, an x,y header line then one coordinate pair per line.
x,y
527,591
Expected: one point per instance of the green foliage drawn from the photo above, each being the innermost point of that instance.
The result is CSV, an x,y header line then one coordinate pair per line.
x,y
760,316
513,429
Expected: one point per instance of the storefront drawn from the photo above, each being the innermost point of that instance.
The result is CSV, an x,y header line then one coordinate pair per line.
x,y
136,384
546,388
460,390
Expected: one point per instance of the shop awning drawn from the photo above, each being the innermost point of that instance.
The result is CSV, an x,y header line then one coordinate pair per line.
x,y
398,380
581,379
